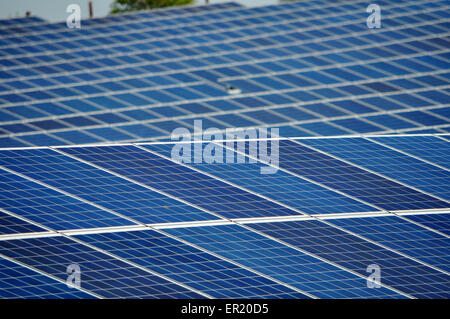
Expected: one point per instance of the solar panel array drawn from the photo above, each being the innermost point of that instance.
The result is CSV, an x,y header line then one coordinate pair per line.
x,y
140,224
310,68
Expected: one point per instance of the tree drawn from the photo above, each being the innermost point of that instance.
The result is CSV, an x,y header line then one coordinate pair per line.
x,y
119,6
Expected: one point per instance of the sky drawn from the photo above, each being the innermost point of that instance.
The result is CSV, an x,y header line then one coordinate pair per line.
x,y
55,10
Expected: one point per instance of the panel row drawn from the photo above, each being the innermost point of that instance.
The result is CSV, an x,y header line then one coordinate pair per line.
x,y
305,259
201,43
115,186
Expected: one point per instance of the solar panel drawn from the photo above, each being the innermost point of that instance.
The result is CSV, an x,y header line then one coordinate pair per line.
x,y
300,269
180,182
353,186
437,222
337,174
21,282
13,225
250,239
55,209
295,191
201,270
427,148
104,275
400,234
349,250
84,182
164,68
426,177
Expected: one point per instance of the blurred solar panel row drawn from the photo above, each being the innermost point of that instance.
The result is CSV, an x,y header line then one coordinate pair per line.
x,y
310,68
140,224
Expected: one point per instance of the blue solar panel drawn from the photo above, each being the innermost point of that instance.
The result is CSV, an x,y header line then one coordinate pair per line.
x,y
20,282
388,162
400,234
196,188
351,180
283,187
13,225
390,121
254,74
51,208
98,187
357,254
191,266
429,148
102,274
439,222
301,270
308,230
77,137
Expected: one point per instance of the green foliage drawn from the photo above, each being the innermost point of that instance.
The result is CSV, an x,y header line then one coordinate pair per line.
x,y
119,6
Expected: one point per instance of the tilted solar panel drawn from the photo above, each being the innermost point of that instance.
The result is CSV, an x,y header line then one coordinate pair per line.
x,y
133,218
271,54
305,214
21,282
